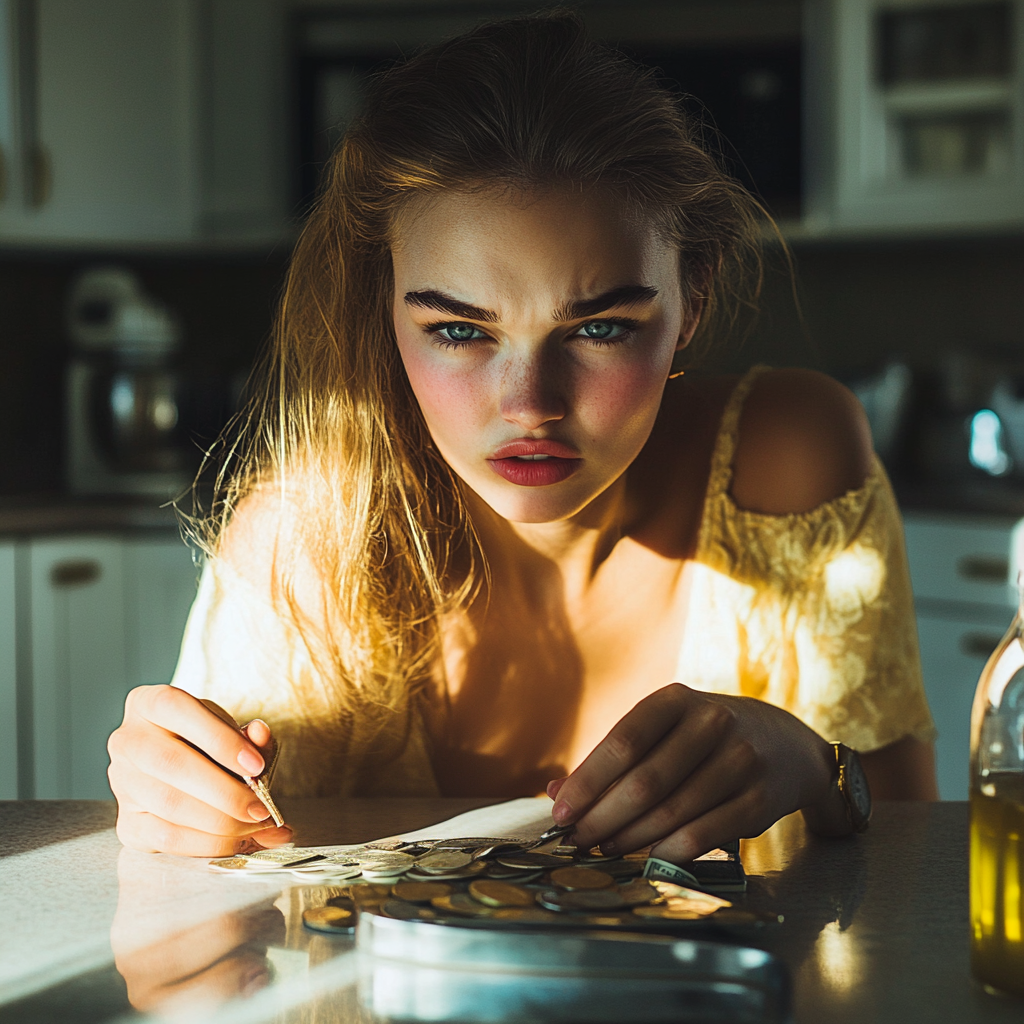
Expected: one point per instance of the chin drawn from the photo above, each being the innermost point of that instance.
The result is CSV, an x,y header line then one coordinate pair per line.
x,y
553,504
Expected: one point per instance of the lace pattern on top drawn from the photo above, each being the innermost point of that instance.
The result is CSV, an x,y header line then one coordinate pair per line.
x,y
810,611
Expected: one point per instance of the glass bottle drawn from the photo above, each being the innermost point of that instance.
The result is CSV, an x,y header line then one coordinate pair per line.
x,y
997,816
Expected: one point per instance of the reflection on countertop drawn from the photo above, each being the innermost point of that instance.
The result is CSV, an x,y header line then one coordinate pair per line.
x,y
60,513
876,926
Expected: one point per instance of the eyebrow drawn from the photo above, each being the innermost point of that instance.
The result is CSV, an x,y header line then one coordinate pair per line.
x,y
575,309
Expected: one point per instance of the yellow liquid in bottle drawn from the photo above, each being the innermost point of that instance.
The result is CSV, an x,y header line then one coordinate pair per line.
x,y
997,883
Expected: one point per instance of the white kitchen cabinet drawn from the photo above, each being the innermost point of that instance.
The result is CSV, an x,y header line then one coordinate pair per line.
x,y
959,567
154,122
914,115
106,614
8,678
80,671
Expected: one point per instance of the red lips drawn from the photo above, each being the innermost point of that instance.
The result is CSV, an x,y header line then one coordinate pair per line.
x,y
513,461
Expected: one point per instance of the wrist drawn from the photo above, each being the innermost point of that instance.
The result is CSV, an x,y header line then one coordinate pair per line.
x,y
847,808
827,813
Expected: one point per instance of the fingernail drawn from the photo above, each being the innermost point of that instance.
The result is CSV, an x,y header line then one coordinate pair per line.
x,y
561,812
257,811
251,762
554,786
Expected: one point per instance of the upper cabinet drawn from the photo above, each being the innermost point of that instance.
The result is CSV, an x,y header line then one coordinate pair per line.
x,y
914,114
159,122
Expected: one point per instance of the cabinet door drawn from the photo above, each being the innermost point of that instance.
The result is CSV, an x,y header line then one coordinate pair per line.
x,y
960,560
115,106
160,586
953,653
80,670
8,678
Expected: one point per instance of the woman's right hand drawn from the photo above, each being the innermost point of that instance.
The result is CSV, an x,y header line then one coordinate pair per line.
x,y
171,798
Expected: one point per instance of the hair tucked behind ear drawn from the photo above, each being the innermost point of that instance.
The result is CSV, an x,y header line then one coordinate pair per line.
x,y
529,103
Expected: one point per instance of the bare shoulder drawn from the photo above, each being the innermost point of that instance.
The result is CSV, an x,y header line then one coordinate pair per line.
x,y
264,545
803,440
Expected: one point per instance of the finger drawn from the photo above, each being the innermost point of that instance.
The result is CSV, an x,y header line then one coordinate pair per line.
x,y
716,781
743,816
151,834
628,741
242,974
646,784
183,715
165,757
553,787
259,732
137,791
187,952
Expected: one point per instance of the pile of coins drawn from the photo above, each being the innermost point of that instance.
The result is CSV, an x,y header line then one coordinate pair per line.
x,y
502,881
569,895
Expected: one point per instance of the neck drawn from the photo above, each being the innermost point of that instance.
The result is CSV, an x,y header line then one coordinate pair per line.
x,y
575,547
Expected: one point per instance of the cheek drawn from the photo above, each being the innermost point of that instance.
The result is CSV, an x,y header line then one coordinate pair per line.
x,y
624,397
450,396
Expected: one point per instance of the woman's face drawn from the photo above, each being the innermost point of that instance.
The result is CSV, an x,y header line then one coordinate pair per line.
x,y
537,334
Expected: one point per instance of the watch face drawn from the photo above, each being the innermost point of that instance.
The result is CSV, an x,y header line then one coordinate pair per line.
x,y
857,785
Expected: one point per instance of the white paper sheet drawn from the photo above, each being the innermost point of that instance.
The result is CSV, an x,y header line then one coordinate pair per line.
x,y
526,818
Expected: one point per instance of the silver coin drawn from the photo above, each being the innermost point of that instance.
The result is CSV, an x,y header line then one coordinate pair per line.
x,y
586,901
471,870
378,860
526,861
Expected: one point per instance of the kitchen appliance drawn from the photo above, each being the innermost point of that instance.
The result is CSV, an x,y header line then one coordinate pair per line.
x,y
124,395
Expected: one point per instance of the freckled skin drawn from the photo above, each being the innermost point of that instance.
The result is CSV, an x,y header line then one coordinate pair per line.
x,y
533,376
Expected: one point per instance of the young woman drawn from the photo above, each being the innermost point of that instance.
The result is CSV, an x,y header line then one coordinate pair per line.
x,y
485,540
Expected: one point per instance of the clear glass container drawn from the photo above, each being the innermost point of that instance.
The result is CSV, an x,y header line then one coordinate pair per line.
x,y
997,817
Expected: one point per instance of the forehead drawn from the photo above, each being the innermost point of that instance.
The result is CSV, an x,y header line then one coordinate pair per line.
x,y
501,241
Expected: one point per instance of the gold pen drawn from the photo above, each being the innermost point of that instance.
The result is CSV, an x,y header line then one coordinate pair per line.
x,y
260,784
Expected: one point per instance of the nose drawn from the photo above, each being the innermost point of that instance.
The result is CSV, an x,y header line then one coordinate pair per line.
x,y
533,391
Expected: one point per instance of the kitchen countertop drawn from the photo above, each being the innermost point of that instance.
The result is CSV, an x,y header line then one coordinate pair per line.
x,y
50,514
876,926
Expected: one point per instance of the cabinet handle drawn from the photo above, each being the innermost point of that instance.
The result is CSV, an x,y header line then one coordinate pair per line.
x,y
979,645
984,568
75,572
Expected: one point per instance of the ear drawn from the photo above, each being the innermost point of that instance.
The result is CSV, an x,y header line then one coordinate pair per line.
x,y
691,319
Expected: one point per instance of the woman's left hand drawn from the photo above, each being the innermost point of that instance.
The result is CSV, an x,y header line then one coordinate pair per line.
x,y
688,771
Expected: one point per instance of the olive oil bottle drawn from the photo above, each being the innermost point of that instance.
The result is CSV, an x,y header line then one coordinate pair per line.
x,y
997,818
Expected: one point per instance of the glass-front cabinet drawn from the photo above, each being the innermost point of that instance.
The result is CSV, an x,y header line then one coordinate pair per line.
x,y
915,114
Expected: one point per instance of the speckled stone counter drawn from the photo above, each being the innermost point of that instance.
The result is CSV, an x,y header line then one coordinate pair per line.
x,y
875,930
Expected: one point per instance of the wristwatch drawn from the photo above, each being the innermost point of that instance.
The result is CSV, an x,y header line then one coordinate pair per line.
x,y
852,784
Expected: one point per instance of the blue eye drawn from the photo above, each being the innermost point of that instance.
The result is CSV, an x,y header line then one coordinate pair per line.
x,y
605,330
459,333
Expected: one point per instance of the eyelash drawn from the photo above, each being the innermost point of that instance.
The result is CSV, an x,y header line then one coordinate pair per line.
x,y
629,328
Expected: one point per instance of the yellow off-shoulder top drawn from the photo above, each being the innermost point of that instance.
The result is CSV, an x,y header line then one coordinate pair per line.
x,y
812,612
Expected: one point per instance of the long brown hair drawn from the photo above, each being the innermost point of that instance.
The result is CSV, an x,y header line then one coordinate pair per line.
x,y
522,104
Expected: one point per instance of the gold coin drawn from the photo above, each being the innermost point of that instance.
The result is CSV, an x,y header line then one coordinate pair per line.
x,y
638,892
369,892
581,878
665,912
442,861
463,904
230,864
500,894
328,919
420,892
524,914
